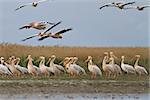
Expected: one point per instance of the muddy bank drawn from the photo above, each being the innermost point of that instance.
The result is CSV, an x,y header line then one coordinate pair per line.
x,y
71,86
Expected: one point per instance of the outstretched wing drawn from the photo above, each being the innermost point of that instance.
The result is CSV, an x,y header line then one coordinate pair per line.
x,y
23,6
106,6
26,26
30,37
52,27
63,31
129,3
43,37
42,1
145,6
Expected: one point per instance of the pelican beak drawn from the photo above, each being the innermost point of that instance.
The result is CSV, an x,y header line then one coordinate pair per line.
x,y
48,61
86,60
37,60
61,61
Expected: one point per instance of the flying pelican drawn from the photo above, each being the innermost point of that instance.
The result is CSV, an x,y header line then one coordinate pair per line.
x,y
23,70
41,34
33,4
4,68
107,68
112,61
139,69
57,69
36,25
140,8
94,69
127,68
42,66
57,35
118,5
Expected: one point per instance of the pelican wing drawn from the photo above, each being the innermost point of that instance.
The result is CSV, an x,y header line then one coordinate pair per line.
x,y
26,26
145,6
42,1
52,27
129,3
108,5
30,37
63,31
23,6
44,37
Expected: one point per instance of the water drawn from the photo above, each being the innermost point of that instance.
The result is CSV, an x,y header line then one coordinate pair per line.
x,y
75,96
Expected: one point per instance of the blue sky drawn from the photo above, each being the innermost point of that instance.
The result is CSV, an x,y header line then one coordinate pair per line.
x,y
109,27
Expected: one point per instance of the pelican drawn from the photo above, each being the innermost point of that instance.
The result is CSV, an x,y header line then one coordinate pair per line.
x,y
94,69
74,60
140,8
32,69
127,68
57,69
43,33
112,61
118,5
4,69
139,69
42,66
36,25
57,35
33,4
107,68
12,67
23,70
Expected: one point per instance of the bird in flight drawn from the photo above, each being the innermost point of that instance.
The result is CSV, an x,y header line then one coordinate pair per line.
x,y
41,34
33,4
36,25
140,8
119,5
57,35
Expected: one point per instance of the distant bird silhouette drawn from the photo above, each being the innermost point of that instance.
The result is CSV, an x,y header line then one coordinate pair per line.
x,y
140,8
57,35
41,34
118,5
36,25
33,4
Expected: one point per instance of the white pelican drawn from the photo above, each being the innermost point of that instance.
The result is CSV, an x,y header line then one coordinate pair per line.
x,y
57,69
94,69
4,68
119,5
140,8
36,25
127,68
33,4
43,33
74,60
139,69
107,68
112,61
57,35
23,70
42,66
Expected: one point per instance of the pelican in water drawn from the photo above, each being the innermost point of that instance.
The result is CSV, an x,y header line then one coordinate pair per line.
x,y
139,8
139,69
112,61
126,67
32,69
94,69
36,25
107,68
57,35
42,66
33,4
43,33
118,5
4,69
56,69
23,70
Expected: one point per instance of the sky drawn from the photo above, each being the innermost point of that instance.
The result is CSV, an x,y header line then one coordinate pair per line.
x,y
109,27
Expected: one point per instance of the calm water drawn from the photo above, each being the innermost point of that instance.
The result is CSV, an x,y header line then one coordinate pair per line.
x,y
75,96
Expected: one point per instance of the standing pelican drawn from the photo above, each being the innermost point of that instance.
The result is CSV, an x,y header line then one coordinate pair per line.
x,y
127,68
23,70
36,25
139,69
94,69
4,69
42,66
43,33
118,5
57,69
33,4
57,35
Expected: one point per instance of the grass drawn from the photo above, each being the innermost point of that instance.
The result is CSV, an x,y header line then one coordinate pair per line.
x,y
21,51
